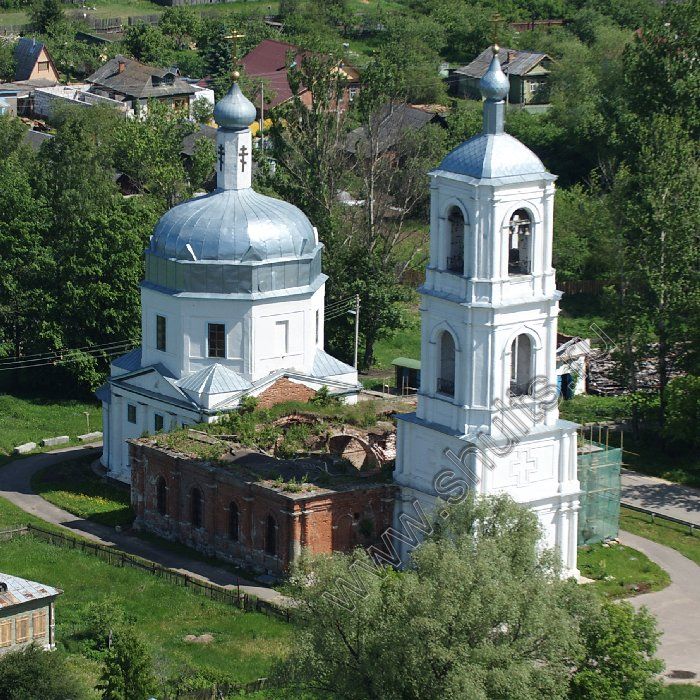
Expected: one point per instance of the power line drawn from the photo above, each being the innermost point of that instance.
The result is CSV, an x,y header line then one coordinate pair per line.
x,y
60,360
52,353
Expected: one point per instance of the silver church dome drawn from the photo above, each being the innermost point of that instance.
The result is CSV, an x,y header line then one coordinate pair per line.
x,y
487,156
232,226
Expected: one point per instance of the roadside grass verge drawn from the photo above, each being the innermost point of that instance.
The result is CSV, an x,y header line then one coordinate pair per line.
x,y
675,536
244,645
679,691
24,419
73,486
619,571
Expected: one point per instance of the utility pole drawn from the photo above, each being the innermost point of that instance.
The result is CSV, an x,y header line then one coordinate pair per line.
x,y
357,326
262,115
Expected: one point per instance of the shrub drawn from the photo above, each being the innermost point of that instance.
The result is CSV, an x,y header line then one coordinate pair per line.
x,y
683,410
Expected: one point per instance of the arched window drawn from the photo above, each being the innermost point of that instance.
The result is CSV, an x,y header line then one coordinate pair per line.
x,y
521,365
233,521
271,536
455,252
446,373
520,243
161,496
196,507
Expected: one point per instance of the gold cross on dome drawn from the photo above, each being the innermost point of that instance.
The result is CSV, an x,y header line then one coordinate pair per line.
x,y
496,21
233,38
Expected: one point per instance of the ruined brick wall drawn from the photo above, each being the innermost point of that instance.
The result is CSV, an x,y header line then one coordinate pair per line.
x,y
284,390
323,522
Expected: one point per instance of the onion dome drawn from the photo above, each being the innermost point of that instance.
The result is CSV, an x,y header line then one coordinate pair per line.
x,y
234,110
494,83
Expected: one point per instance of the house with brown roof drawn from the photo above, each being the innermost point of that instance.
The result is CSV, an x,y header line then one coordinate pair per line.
x,y
33,62
527,71
26,613
270,61
127,80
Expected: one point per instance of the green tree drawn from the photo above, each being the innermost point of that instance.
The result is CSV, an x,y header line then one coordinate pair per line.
x,y
35,674
43,14
619,662
480,613
128,670
202,110
203,163
683,410
656,202
182,24
148,44
8,64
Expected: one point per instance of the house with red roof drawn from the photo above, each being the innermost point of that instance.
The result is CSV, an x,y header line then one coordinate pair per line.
x,y
270,60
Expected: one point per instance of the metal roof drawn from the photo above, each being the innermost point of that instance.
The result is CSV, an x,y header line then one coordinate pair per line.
x,y
393,120
103,393
216,379
136,79
129,362
488,156
406,362
326,365
513,62
234,110
233,225
27,52
20,590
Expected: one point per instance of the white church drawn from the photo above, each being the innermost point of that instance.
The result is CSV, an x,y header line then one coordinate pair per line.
x,y
232,303
487,416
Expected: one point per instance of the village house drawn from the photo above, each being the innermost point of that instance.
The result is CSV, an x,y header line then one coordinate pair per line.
x,y
33,62
126,80
527,71
269,61
26,613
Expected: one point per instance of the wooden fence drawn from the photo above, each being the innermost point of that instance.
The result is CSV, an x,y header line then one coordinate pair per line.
x,y
116,557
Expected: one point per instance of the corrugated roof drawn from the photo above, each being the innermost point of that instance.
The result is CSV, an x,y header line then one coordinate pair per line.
x,y
406,362
513,62
130,362
326,365
393,120
139,80
216,379
20,590
27,52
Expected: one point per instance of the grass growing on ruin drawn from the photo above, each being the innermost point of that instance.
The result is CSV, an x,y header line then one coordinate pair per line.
x,y
73,486
620,571
244,645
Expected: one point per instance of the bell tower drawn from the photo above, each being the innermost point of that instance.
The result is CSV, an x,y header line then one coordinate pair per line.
x,y
487,411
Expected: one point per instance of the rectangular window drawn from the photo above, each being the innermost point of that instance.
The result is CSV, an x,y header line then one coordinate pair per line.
x,y
39,624
160,333
131,413
21,630
158,422
43,65
5,633
318,324
217,340
282,337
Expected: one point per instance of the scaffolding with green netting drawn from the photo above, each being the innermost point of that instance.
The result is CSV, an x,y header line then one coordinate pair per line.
x,y
599,476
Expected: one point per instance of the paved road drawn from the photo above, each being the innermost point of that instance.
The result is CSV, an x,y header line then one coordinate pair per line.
x,y
663,496
677,609
15,486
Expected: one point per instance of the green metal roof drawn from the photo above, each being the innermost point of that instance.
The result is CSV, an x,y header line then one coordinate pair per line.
x,y
406,362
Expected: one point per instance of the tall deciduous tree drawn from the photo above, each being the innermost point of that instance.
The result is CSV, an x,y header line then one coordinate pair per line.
x,y
480,613
128,670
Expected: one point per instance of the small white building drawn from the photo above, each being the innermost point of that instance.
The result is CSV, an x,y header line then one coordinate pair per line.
x,y
232,306
487,417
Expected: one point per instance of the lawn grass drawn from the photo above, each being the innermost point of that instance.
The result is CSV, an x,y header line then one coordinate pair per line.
x,y
29,419
675,536
73,486
244,645
619,571
679,691
402,343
